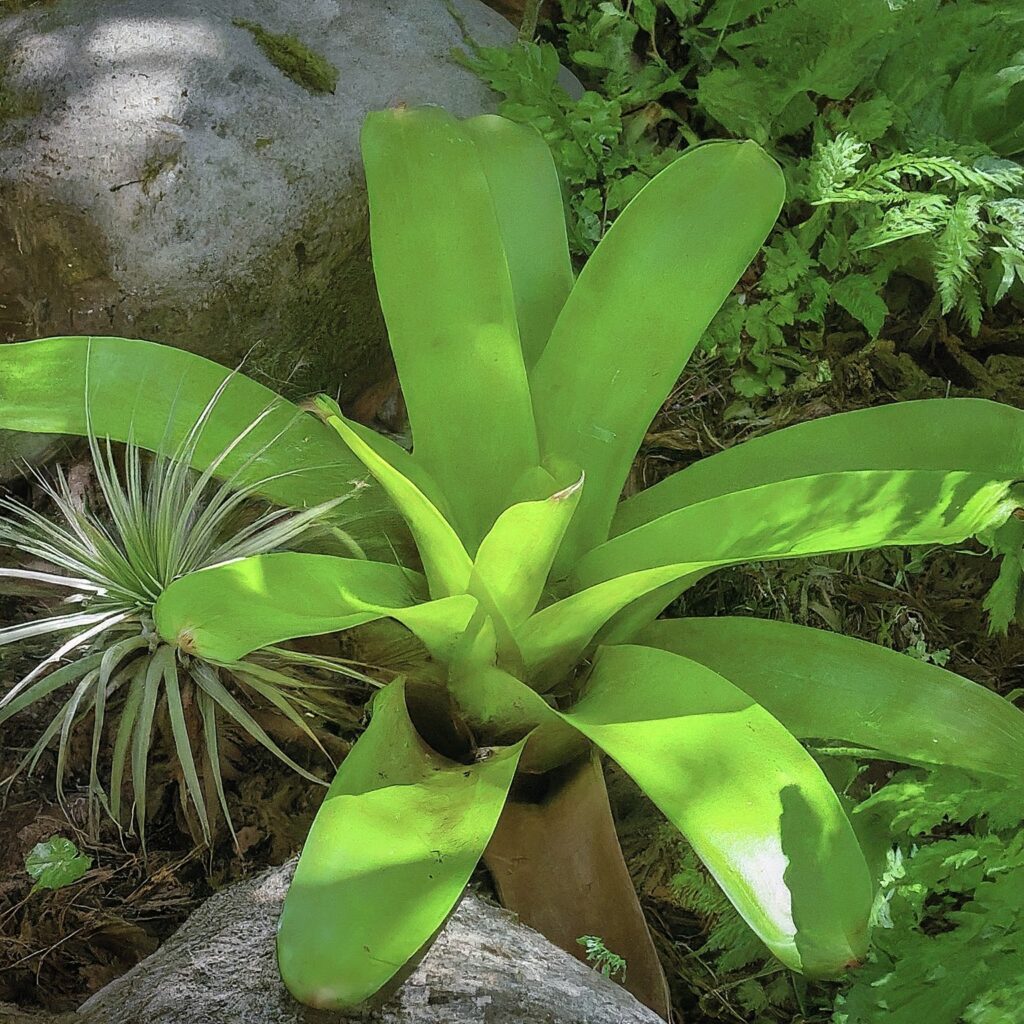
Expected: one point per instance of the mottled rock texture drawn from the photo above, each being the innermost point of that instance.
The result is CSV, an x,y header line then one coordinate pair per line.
x,y
484,968
188,171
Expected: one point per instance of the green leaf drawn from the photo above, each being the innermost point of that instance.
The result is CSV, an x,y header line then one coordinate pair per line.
x,y
823,685
391,452
445,561
553,639
390,851
153,394
516,555
752,803
638,310
227,611
527,199
1003,600
986,101
808,515
965,435
811,515
859,296
56,863
837,483
502,710
444,285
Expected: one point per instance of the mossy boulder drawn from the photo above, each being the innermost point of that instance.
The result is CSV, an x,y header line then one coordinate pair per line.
x,y
188,171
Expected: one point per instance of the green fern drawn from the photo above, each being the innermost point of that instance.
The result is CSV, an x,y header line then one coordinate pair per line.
x,y
897,167
881,204
952,900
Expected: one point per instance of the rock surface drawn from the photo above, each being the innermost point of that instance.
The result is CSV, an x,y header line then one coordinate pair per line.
x,y
484,968
169,170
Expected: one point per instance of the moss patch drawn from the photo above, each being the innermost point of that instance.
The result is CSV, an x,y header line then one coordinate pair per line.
x,y
314,72
14,102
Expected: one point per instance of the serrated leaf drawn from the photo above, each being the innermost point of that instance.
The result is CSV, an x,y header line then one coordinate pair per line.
x,y
860,297
1003,600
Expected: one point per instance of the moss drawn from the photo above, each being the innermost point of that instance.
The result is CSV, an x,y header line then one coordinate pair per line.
x,y
14,102
17,6
157,162
314,72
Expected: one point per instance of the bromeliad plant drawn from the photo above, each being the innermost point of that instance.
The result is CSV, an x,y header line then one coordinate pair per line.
x,y
528,395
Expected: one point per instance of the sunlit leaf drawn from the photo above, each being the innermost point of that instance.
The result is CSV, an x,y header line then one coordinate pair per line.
x,y
228,611
638,310
446,292
813,514
958,435
390,851
527,199
826,686
752,803
516,555
153,394
445,561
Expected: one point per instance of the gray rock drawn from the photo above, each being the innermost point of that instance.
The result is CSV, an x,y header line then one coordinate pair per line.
x,y
484,968
161,177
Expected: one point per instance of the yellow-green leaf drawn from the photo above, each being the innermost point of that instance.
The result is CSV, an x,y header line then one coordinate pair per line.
x,y
390,851
752,803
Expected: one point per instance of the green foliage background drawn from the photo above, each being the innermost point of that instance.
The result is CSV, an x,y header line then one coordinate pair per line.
x,y
898,124
893,119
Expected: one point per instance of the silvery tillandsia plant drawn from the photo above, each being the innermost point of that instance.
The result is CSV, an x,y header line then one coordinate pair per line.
x,y
529,393
104,560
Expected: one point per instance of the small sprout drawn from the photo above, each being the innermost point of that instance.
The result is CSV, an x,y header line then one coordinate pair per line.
x,y
56,864
601,958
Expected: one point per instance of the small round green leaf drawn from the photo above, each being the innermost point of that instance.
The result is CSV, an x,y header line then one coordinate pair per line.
x,y
56,864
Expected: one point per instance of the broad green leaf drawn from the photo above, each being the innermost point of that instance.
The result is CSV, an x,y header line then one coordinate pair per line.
x,y
227,611
638,310
797,517
965,435
749,799
812,515
826,686
445,289
515,557
56,863
527,200
445,561
553,639
153,394
390,851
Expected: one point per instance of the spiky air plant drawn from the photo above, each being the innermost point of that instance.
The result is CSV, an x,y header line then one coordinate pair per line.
x,y
106,561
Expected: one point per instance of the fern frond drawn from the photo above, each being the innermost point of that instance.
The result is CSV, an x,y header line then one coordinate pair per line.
x,y
958,252
833,164
922,213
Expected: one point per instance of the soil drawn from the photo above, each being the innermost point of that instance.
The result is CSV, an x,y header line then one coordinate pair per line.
x,y
58,947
